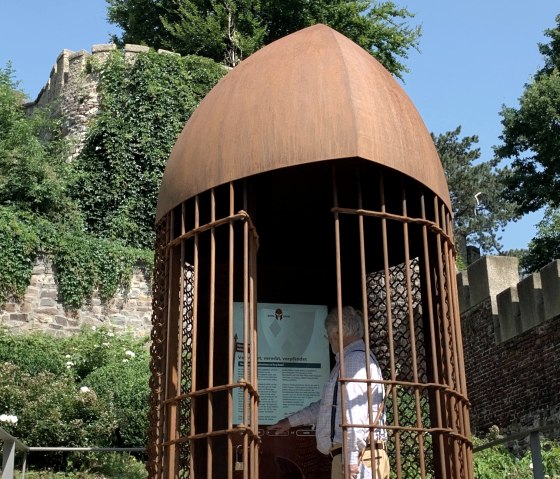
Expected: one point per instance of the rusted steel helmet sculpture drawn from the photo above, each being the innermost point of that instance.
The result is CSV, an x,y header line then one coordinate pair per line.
x,y
305,177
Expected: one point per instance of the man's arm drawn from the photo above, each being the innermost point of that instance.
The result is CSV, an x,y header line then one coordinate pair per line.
x,y
307,415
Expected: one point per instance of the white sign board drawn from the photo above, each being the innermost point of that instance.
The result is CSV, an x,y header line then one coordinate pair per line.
x,y
293,358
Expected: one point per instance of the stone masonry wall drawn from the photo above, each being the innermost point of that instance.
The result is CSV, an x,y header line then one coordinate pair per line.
x,y
73,89
511,358
42,310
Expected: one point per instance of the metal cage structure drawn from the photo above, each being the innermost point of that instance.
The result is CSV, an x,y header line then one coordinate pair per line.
x,y
344,227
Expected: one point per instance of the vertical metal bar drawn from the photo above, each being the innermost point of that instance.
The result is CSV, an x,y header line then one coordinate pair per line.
x,y
194,331
254,357
365,318
246,336
455,336
390,338
162,417
170,409
24,465
180,326
212,305
445,319
340,329
536,456
231,352
435,357
460,353
8,455
412,334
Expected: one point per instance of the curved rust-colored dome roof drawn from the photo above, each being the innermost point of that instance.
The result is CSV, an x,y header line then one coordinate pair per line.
x,y
311,96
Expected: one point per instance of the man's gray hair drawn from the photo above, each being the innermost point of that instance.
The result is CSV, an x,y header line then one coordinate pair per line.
x,y
352,322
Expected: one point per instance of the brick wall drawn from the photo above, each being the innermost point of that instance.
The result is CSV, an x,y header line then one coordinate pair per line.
x,y
514,384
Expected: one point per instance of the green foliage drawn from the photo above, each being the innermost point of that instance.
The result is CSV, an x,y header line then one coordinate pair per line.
x,y
499,462
85,390
85,264
545,246
531,135
33,353
126,386
144,105
479,209
225,31
33,170
100,466
51,410
230,30
19,243
37,215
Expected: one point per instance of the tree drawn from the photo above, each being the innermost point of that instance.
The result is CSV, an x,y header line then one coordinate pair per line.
x,y
531,135
545,246
225,31
33,170
476,193
229,30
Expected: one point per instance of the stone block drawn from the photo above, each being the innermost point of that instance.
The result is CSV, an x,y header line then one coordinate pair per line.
x,y
103,47
61,320
491,275
550,281
463,291
48,311
508,313
27,307
132,48
11,307
47,302
19,317
49,293
531,303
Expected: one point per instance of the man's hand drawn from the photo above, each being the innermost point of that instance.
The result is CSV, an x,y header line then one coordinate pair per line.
x,y
280,427
353,470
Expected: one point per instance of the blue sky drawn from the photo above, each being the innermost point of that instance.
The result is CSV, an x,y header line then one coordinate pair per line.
x,y
476,55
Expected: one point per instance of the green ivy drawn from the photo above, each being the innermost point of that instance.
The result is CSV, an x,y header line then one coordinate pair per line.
x,y
95,217
85,264
144,104
19,243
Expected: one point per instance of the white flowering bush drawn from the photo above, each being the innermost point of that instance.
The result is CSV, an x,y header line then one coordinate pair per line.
x,y
9,418
74,391
46,410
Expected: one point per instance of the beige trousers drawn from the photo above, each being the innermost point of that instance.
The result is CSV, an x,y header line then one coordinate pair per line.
x,y
381,464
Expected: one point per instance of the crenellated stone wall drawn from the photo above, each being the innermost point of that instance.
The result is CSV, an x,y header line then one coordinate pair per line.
x,y
41,308
511,340
72,88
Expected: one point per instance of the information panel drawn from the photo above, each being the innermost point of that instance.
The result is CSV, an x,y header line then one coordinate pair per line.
x,y
293,358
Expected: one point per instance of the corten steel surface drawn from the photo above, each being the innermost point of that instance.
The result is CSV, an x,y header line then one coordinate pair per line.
x,y
311,96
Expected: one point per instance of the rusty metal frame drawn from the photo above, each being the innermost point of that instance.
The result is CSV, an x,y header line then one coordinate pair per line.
x,y
411,317
175,392
448,431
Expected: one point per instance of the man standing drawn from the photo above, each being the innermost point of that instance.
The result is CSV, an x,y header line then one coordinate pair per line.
x,y
326,413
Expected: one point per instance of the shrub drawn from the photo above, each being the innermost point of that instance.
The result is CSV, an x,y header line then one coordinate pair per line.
x,y
52,411
85,390
125,386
